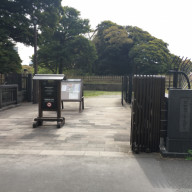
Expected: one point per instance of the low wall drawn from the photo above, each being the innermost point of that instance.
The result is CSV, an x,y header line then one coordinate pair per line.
x,y
102,87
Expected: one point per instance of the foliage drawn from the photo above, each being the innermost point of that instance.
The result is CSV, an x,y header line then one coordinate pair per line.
x,y
66,48
124,50
115,49
84,54
9,58
44,70
189,157
28,68
112,44
148,55
150,58
17,17
17,25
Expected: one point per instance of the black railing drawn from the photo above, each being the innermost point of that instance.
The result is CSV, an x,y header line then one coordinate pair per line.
x,y
8,95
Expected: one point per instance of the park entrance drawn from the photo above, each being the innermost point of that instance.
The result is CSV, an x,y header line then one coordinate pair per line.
x,y
161,117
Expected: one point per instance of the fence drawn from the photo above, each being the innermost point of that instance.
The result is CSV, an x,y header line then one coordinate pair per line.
x,y
24,82
100,83
2,79
98,79
8,95
148,95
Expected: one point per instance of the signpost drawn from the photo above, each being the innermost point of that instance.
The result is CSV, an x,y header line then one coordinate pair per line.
x,y
72,91
49,98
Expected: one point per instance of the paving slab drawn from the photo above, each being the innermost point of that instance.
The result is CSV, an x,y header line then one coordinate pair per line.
x,y
91,153
103,126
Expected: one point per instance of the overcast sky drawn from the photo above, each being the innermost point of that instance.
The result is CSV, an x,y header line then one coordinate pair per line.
x,y
169,20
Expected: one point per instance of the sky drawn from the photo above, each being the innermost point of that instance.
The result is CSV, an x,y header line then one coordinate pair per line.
x,y
169,20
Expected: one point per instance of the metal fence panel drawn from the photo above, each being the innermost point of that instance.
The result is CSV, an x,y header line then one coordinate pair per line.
x,y
148,94
8,95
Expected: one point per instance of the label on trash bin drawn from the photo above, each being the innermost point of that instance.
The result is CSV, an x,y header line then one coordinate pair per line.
x,y
49,95
49,104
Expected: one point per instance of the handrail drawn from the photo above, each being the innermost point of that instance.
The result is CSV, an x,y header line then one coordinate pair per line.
x,y
182,73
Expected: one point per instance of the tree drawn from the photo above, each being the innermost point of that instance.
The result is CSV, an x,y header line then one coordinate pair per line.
x,y
9,58
16,25
84,54
148,54
112,44
66,48
17,18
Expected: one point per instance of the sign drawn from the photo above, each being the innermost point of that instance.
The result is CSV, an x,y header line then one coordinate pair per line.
x,y
71,89
49,95
185,115
49,104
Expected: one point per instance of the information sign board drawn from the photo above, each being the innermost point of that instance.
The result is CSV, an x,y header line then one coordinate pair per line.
x,y
71,90
49,95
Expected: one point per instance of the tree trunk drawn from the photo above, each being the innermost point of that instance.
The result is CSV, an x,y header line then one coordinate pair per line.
x,y
61,66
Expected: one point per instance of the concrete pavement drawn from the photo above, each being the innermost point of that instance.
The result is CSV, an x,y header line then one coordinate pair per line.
x,y
91,153
102,129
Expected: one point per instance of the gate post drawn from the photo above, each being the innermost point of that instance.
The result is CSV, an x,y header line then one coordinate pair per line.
x,y
29,88
130,88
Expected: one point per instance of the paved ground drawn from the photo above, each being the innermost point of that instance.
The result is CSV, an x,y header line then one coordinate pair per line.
x,y
103,128
91,153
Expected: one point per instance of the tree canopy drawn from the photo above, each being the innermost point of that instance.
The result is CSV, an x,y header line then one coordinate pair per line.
x,y
62,42
9,58
113,46
17,25
66,48
148,54
123,50
17,17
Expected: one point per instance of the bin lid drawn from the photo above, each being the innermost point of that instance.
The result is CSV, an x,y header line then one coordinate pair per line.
x,y
48,77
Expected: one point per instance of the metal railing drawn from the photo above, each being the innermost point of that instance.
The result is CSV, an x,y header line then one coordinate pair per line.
x,y
8,95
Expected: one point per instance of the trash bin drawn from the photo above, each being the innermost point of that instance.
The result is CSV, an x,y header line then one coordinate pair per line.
x,y
49,87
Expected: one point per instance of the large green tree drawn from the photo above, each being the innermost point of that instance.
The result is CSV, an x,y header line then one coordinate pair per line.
x,y
148,54
17,18
122,50
65,47
113,46
9,58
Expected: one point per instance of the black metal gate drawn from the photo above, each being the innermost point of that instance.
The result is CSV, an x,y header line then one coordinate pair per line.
x,y
148,95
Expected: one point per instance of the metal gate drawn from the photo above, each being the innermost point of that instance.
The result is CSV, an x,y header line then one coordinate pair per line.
x,y
148,95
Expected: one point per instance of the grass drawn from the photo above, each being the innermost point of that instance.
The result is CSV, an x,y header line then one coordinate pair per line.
x,y
189,157
101,82
98,93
